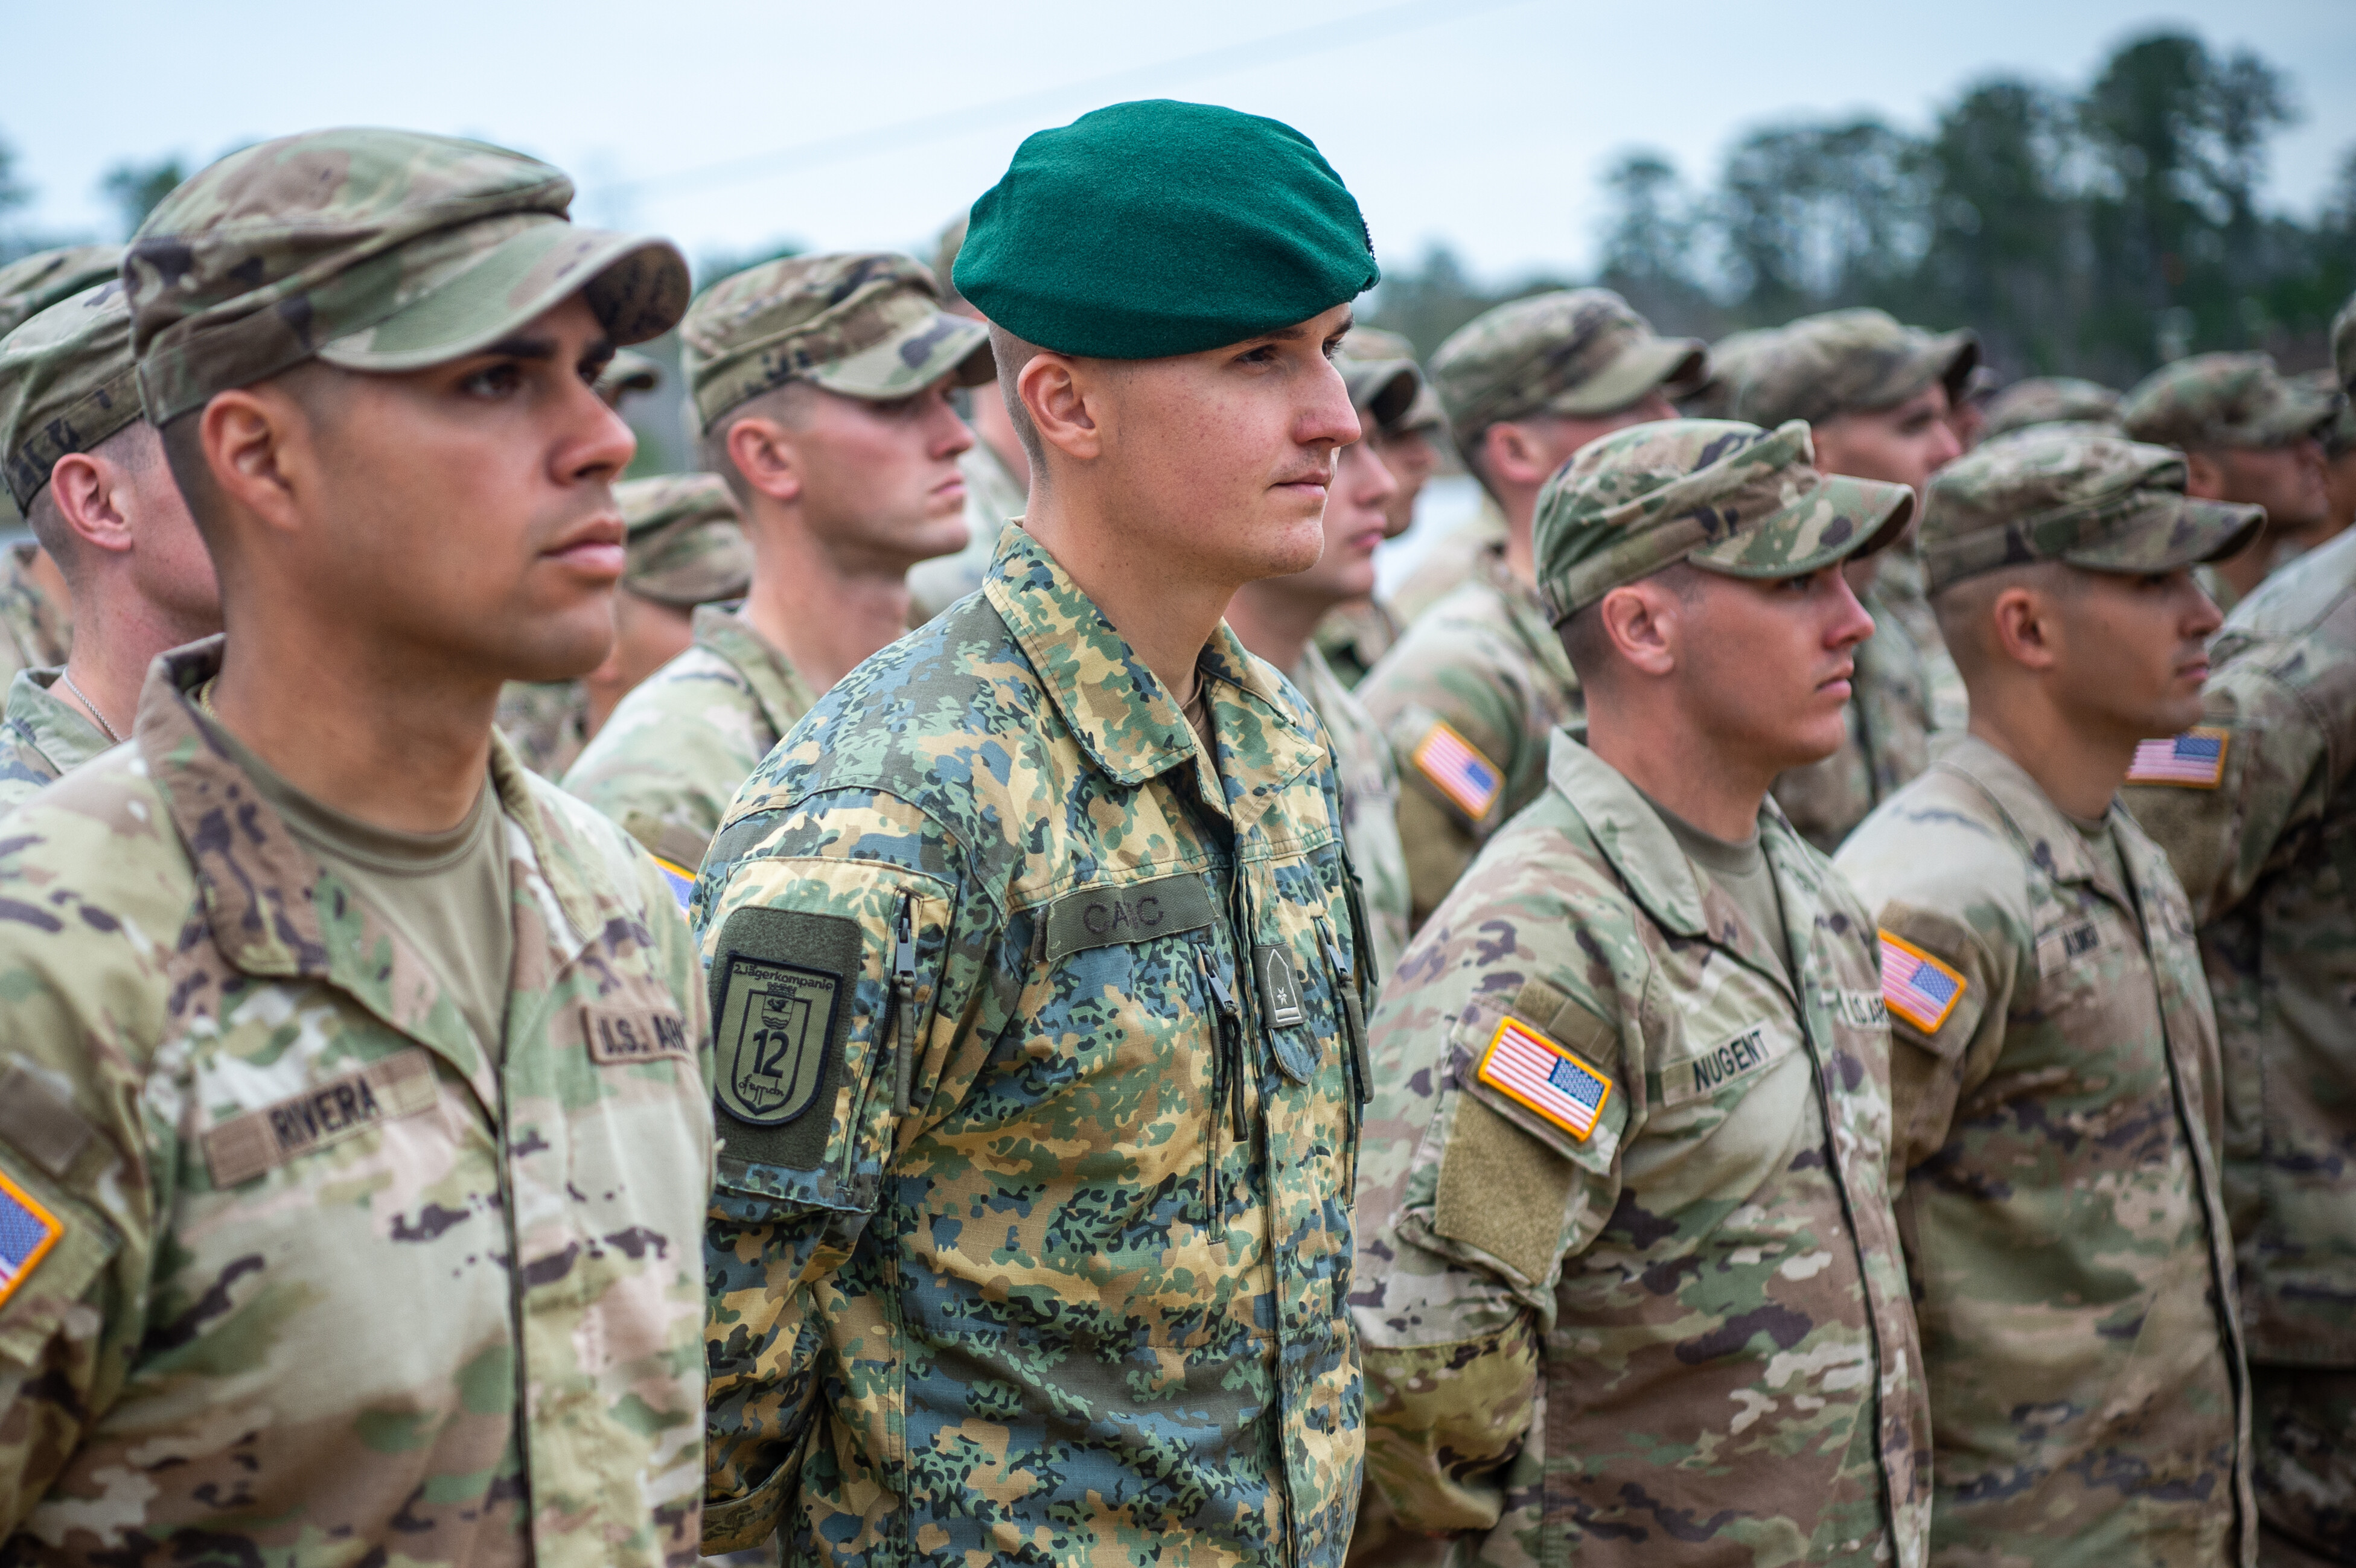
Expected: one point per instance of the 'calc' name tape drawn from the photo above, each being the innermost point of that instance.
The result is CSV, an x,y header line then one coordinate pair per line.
x,y
1917,986
1458,771
2194,760
28,1232
1533,1071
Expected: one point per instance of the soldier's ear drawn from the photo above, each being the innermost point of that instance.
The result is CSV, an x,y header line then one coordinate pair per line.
x,y
765,453
1064,401
1640,620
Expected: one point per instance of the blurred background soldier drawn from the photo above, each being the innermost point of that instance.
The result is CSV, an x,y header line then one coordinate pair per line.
x,y
2339,458
997,470
1476,685
2074,1288
2249,436
88,472
1407,440
2049,400
2257,808
36,618
1730,359
822,386
1876,396
686,547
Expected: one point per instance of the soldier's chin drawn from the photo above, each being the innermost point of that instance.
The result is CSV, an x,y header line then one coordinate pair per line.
x,y
555,645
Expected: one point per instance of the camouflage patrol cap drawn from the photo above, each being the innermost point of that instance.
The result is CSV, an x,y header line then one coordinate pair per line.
x,y
866,325
67,383
2076,494
1730,360
1392,354
1574,351
686,543
1850,361
31,284
1729,497
945,255
373,250
2339,436
2224,400
626,373
2050,400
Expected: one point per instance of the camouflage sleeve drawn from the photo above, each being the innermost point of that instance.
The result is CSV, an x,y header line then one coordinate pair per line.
x,y
78,1208
1456,1286
2276,775
1937,1060
851,905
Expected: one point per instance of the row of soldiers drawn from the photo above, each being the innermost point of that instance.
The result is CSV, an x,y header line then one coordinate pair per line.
x,y
1065,1081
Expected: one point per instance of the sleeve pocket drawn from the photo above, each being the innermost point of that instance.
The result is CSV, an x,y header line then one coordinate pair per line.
x,y
57,1249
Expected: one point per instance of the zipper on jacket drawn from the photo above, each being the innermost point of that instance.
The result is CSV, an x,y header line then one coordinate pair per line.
x,y
1227,1074
902,1003
1354,1017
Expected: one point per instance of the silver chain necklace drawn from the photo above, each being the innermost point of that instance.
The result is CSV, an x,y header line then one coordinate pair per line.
x,y
86,702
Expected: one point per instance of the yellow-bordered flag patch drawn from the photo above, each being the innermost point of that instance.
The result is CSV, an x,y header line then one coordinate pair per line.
x,y
680,879
1457,770
1534,1072
28,1232
2194,760
1917,986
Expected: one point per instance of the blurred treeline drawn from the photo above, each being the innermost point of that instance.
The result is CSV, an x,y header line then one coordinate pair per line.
x,y
2097,233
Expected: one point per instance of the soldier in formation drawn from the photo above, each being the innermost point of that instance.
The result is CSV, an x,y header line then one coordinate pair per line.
x,y
356,1137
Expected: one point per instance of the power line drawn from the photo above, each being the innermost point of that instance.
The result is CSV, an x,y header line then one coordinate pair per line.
x,y
1367,25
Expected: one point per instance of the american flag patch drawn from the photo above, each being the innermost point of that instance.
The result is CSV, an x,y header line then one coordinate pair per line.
x,y
2195,760
1537,1072
28,1232
1917,986
681,881
1458,770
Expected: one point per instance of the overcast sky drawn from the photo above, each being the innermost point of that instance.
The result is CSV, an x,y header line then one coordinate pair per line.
x,y
1481,122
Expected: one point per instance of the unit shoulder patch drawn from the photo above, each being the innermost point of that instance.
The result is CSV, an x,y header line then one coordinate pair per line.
x,y
776,1023
1457,769
2194,760
1533,1071
28,1232
1916,986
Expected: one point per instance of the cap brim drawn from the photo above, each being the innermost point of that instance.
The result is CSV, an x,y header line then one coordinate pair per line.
x,y
1381,389
909,360
2203,531
1844,518
1670,366
639,287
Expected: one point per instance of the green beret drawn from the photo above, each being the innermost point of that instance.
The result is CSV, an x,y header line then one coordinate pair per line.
x,y
1153,229
67,383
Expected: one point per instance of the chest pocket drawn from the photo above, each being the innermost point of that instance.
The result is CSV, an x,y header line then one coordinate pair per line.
x,y
338,1108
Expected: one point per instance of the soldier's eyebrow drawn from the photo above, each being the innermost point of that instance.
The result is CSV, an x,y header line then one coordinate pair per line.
x,y
523,348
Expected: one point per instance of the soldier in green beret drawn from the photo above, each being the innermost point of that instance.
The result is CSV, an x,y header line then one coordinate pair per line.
x,y
2249,436
355,1127
1629,1283
2056,1085
36,608
1037,956
1876,394
821,385
2256,805
88,471
1478,681
685,548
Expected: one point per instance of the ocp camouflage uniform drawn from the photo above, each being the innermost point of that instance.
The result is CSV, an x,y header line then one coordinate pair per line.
x,y
676,749
546,722
42,737
1056,1272
1636,1294
1907,693
2267,854
36,632
1685,1338
1450,562
1370,793
2049,400
30,285
1485,664
322,1270
2067,1236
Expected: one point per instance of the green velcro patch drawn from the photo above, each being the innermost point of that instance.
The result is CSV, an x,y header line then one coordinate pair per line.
x,y
783,986
1139,911
1501,1190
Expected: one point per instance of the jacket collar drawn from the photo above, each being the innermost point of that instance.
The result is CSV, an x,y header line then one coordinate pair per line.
x,y
264,893
2052,841
51,725
1127,723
